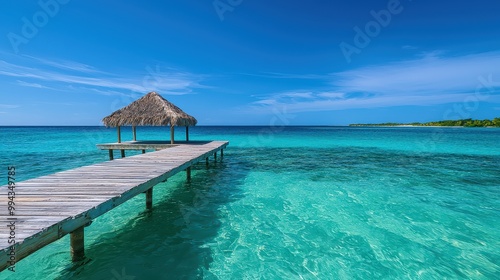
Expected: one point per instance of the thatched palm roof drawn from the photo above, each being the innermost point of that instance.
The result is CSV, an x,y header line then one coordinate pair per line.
x,y
150,110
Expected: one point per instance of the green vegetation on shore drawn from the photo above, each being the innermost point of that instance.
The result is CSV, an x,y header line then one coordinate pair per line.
x,y
465,122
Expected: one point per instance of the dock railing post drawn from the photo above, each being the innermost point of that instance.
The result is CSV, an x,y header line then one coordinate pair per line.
x,y
77,244
111,154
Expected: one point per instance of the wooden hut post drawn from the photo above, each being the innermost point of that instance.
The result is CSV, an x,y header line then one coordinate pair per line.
x,y
118,129
134,133
171,134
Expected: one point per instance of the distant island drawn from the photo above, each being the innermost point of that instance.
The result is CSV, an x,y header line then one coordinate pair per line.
x,y
464,123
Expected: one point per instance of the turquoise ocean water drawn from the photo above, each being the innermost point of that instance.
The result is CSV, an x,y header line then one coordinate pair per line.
x,y
286,203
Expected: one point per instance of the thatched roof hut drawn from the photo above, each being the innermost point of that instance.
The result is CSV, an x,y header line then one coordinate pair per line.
x,y
150,110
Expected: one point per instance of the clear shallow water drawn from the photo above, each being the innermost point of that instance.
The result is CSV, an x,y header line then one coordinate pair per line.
x,y
289,203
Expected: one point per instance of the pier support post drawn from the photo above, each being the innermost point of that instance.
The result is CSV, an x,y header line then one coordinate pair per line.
x,y
188,173
134,133
149,199
143,151
206,160
111,155
187,133
221,153
215,156
123,153
77,245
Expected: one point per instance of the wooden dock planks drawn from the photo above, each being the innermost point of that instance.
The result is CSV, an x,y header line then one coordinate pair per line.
x,y
49,207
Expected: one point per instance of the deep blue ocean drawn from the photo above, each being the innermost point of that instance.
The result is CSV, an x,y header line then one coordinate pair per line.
x,y
285,203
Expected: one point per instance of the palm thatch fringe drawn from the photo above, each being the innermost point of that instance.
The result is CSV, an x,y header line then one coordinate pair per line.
x,y
150,110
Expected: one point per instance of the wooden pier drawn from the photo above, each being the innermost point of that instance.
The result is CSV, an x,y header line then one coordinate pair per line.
x,y
49,207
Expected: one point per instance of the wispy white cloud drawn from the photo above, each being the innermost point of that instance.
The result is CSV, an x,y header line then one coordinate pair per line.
x,y
409,47
298,95
275,75
65,104
286,97
66,65
104,91
427,76
26,84
167,81
331,95
9,106
429,80
321,104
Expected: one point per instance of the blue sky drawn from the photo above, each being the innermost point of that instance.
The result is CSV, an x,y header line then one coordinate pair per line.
x,y
251,62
